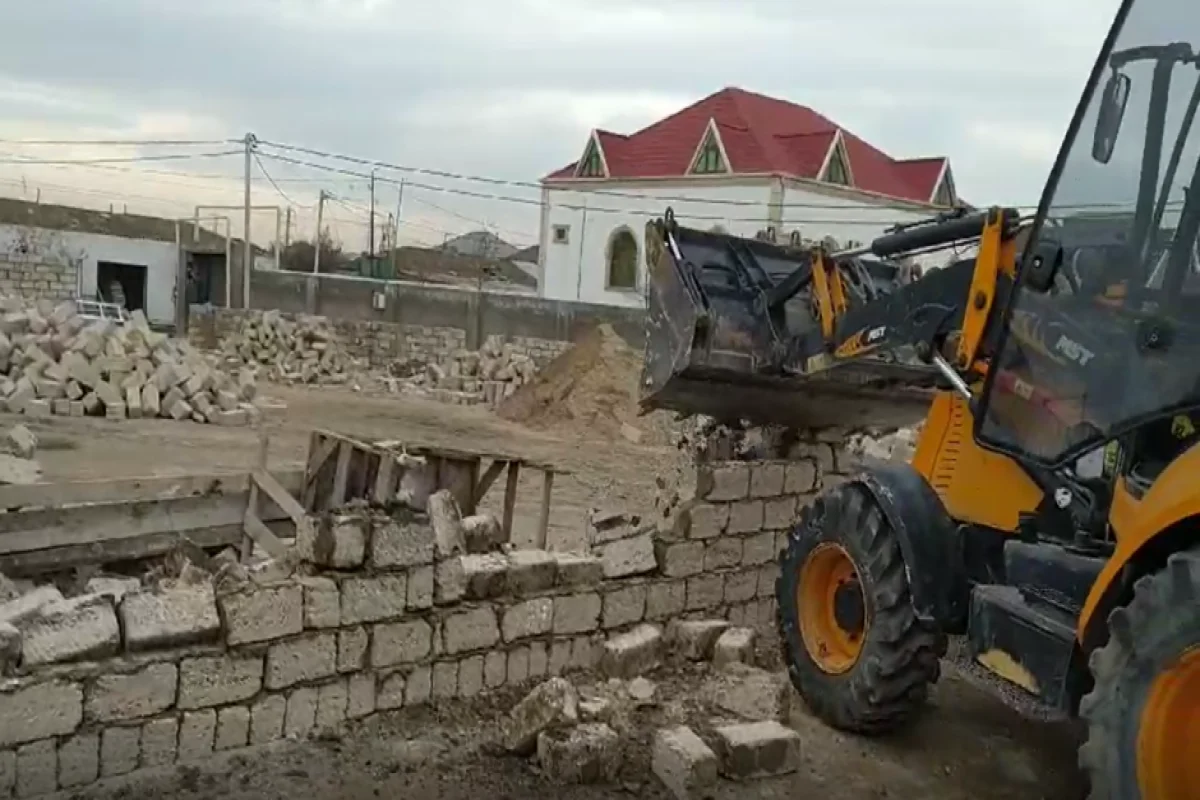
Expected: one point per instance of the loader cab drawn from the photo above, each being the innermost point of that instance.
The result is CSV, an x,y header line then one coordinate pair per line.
x,y
1107,340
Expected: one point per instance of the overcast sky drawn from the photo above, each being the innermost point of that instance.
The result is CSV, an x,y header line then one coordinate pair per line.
x,y
510,90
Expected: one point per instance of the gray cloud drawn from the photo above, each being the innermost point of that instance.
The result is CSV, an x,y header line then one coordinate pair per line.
x,y
511,90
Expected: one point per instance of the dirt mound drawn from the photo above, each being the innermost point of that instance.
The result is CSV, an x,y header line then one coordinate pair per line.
x,y
592,388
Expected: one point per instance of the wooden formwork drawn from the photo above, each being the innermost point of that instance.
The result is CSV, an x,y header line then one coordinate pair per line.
x,y
341,468
50,526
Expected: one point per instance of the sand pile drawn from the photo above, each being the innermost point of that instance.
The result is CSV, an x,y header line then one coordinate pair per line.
x,y
591,388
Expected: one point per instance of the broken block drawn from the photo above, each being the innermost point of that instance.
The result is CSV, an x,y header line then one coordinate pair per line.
x,y
632,653
71,630
552,705
590,753
170,617
684,763
757,749
735,645
335,541
695,639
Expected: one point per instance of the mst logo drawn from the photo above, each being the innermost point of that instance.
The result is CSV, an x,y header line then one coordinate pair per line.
x,y
1074,350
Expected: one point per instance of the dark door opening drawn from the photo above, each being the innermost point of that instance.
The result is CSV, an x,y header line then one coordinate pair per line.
x,y
123,284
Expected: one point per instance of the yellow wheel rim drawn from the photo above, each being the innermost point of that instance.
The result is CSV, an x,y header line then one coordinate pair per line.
x,y
1168,747
832,608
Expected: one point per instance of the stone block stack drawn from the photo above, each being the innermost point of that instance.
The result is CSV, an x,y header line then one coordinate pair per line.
x,y
302,349
55,362
469,377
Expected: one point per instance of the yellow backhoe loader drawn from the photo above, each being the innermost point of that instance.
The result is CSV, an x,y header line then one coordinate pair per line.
x,y
1072,333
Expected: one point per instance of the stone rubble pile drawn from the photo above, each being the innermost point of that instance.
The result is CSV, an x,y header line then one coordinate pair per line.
x,y
579,734
55,362
304,350
469,377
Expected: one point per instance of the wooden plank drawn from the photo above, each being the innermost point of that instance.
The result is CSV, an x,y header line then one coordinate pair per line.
x,y
510,498
342,476
489,477
85,525
385,480
263,536
235,487
246,545
320,450
251,515
55,559
279,495
121,490
543,526
458,476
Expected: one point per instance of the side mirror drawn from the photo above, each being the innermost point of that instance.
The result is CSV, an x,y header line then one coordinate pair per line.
x,y
1113,99
1041,265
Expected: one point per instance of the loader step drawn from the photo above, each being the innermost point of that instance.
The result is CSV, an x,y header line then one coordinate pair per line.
x,y
1048,573
1027,644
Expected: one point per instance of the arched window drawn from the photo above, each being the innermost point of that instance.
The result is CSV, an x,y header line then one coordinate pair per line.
x,y
622,259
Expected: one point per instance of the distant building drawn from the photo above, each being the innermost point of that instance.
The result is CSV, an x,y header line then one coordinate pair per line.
x,y
62,252
748,162
480,244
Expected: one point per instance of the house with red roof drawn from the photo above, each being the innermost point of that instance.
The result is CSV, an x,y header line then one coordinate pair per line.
x,y
736,161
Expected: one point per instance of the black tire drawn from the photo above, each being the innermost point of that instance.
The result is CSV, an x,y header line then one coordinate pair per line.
x,y
1146,636
898,660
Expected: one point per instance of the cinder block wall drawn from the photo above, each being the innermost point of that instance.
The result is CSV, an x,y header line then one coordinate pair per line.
x,y
109,684
34,279
377,343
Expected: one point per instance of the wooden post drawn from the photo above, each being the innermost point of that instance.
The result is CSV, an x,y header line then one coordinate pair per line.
x,y
264,445
543,527
510,498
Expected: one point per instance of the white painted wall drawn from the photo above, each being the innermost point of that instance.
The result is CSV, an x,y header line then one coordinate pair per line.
x,y
159,258
578,270
818,212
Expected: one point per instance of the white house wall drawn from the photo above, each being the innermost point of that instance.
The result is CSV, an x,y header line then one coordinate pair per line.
x,y
817,214
85,250
578,270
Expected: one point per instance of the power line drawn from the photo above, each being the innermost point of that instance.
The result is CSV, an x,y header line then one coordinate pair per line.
x,y
590,209
126,160
120,142
896,206
274,185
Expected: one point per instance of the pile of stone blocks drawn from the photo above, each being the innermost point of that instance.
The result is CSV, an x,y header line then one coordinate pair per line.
x,y
304,349
468,377
576,734
55,362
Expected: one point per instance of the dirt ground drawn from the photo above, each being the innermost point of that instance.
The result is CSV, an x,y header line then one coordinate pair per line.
x,y
606,473
969,745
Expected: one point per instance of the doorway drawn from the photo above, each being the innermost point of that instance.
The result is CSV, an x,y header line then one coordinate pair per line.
x,y
123,284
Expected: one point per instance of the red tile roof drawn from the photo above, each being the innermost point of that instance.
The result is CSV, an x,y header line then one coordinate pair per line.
x,y
761,135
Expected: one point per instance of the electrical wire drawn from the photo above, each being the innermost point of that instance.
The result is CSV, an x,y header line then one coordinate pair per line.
x,y
126,160
583,207
581,189
121,142
274,185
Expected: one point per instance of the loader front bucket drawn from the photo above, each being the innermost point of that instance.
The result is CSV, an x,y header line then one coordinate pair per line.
x,y
717,345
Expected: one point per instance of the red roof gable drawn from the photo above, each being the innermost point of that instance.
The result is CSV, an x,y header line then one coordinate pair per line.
x,y
761,134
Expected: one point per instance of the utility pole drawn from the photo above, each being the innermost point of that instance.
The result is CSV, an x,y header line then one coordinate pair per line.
x,y
248,249
287,228
396,226
317,244
372,220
